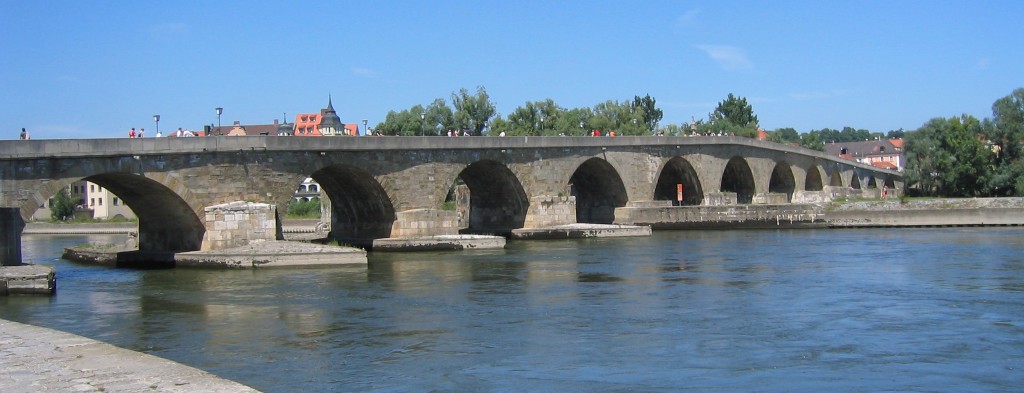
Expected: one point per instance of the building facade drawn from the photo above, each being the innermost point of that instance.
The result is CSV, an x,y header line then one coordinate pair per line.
x,y
882,153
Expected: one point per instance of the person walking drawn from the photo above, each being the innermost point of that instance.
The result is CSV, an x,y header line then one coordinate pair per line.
x,y
141,132
24,134
131,134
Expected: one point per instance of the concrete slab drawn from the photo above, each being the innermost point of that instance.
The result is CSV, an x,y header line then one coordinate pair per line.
x,y
579,231
440,243
27,280
274,254
36,359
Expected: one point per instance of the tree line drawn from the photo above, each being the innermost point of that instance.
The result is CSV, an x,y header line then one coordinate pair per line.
x,y
956,156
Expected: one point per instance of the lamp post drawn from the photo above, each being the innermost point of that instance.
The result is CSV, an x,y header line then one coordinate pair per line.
x,y
542,124
219,110
423,117
156,119
366,131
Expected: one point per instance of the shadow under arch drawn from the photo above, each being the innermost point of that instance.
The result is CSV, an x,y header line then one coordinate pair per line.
x,y
782,180
361,209
679,171
738,178
812,182
598,190
166,222
497,201
835,179
855,181
871,182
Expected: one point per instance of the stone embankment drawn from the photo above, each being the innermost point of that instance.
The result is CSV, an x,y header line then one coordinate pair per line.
x,y
36,359
927,213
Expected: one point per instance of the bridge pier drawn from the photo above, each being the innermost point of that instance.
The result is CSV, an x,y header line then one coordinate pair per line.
x,y
550,210
425,222
11,226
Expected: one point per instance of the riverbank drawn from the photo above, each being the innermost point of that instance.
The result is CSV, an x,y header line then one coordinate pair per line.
x,y
37,359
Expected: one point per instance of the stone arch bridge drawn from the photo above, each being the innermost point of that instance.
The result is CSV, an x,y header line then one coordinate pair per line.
x,y
380,187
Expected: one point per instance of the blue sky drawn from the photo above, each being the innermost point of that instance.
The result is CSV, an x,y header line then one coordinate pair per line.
x,y
91,69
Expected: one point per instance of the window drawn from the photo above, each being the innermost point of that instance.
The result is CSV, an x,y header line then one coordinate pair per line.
x,y
92,201
116,201
92,188
101,201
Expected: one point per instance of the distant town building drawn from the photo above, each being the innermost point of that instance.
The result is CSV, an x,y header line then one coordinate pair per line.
x,y
882,153
325,123
91,201
238,129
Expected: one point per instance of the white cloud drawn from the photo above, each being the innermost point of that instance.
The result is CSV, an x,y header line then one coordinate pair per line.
x,y
364,72
688,19
727,57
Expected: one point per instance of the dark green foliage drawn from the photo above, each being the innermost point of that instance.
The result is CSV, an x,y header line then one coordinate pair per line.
x,y
946,157
304,209
63,207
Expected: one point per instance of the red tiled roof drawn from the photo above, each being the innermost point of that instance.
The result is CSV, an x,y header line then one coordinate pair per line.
x,y
885,165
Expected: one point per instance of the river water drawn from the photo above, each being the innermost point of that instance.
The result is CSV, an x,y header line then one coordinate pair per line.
x,y
790,310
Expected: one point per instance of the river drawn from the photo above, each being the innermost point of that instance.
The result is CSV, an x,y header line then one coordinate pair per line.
x,y
870,310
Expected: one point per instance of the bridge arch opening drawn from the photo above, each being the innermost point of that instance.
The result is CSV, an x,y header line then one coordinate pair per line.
x,y
598,190
166,222
361,210
812,182
890,183
739,179
836,179
855,181
496,204
675,172
871,182
782,181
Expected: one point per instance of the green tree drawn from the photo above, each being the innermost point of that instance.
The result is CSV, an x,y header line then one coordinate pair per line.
x,y
63,207
1006,132
473,111
786,135
650,115
404,123
304,208
813,140
945,157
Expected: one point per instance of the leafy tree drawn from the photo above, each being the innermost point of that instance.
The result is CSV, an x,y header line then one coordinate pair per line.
x,y
404,123
650,115
894,134
737,111
813,140
945,157
1006,132
786,135
473,111
63,207
304,208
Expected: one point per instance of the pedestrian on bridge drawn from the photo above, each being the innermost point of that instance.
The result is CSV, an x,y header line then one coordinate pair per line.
x,y
24,134
131,134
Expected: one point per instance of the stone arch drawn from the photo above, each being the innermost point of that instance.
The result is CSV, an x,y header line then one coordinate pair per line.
x,y
738,178
598,189
835,179
166,221
855,181
871,183
782,180
812,182
889,182
361,210
497,201
679,171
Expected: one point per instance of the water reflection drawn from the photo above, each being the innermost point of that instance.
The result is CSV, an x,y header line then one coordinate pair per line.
x,y
865,310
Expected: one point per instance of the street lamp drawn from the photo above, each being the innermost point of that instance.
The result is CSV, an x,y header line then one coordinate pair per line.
x,y
366,131
156,119
542,124
219,110
423,117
